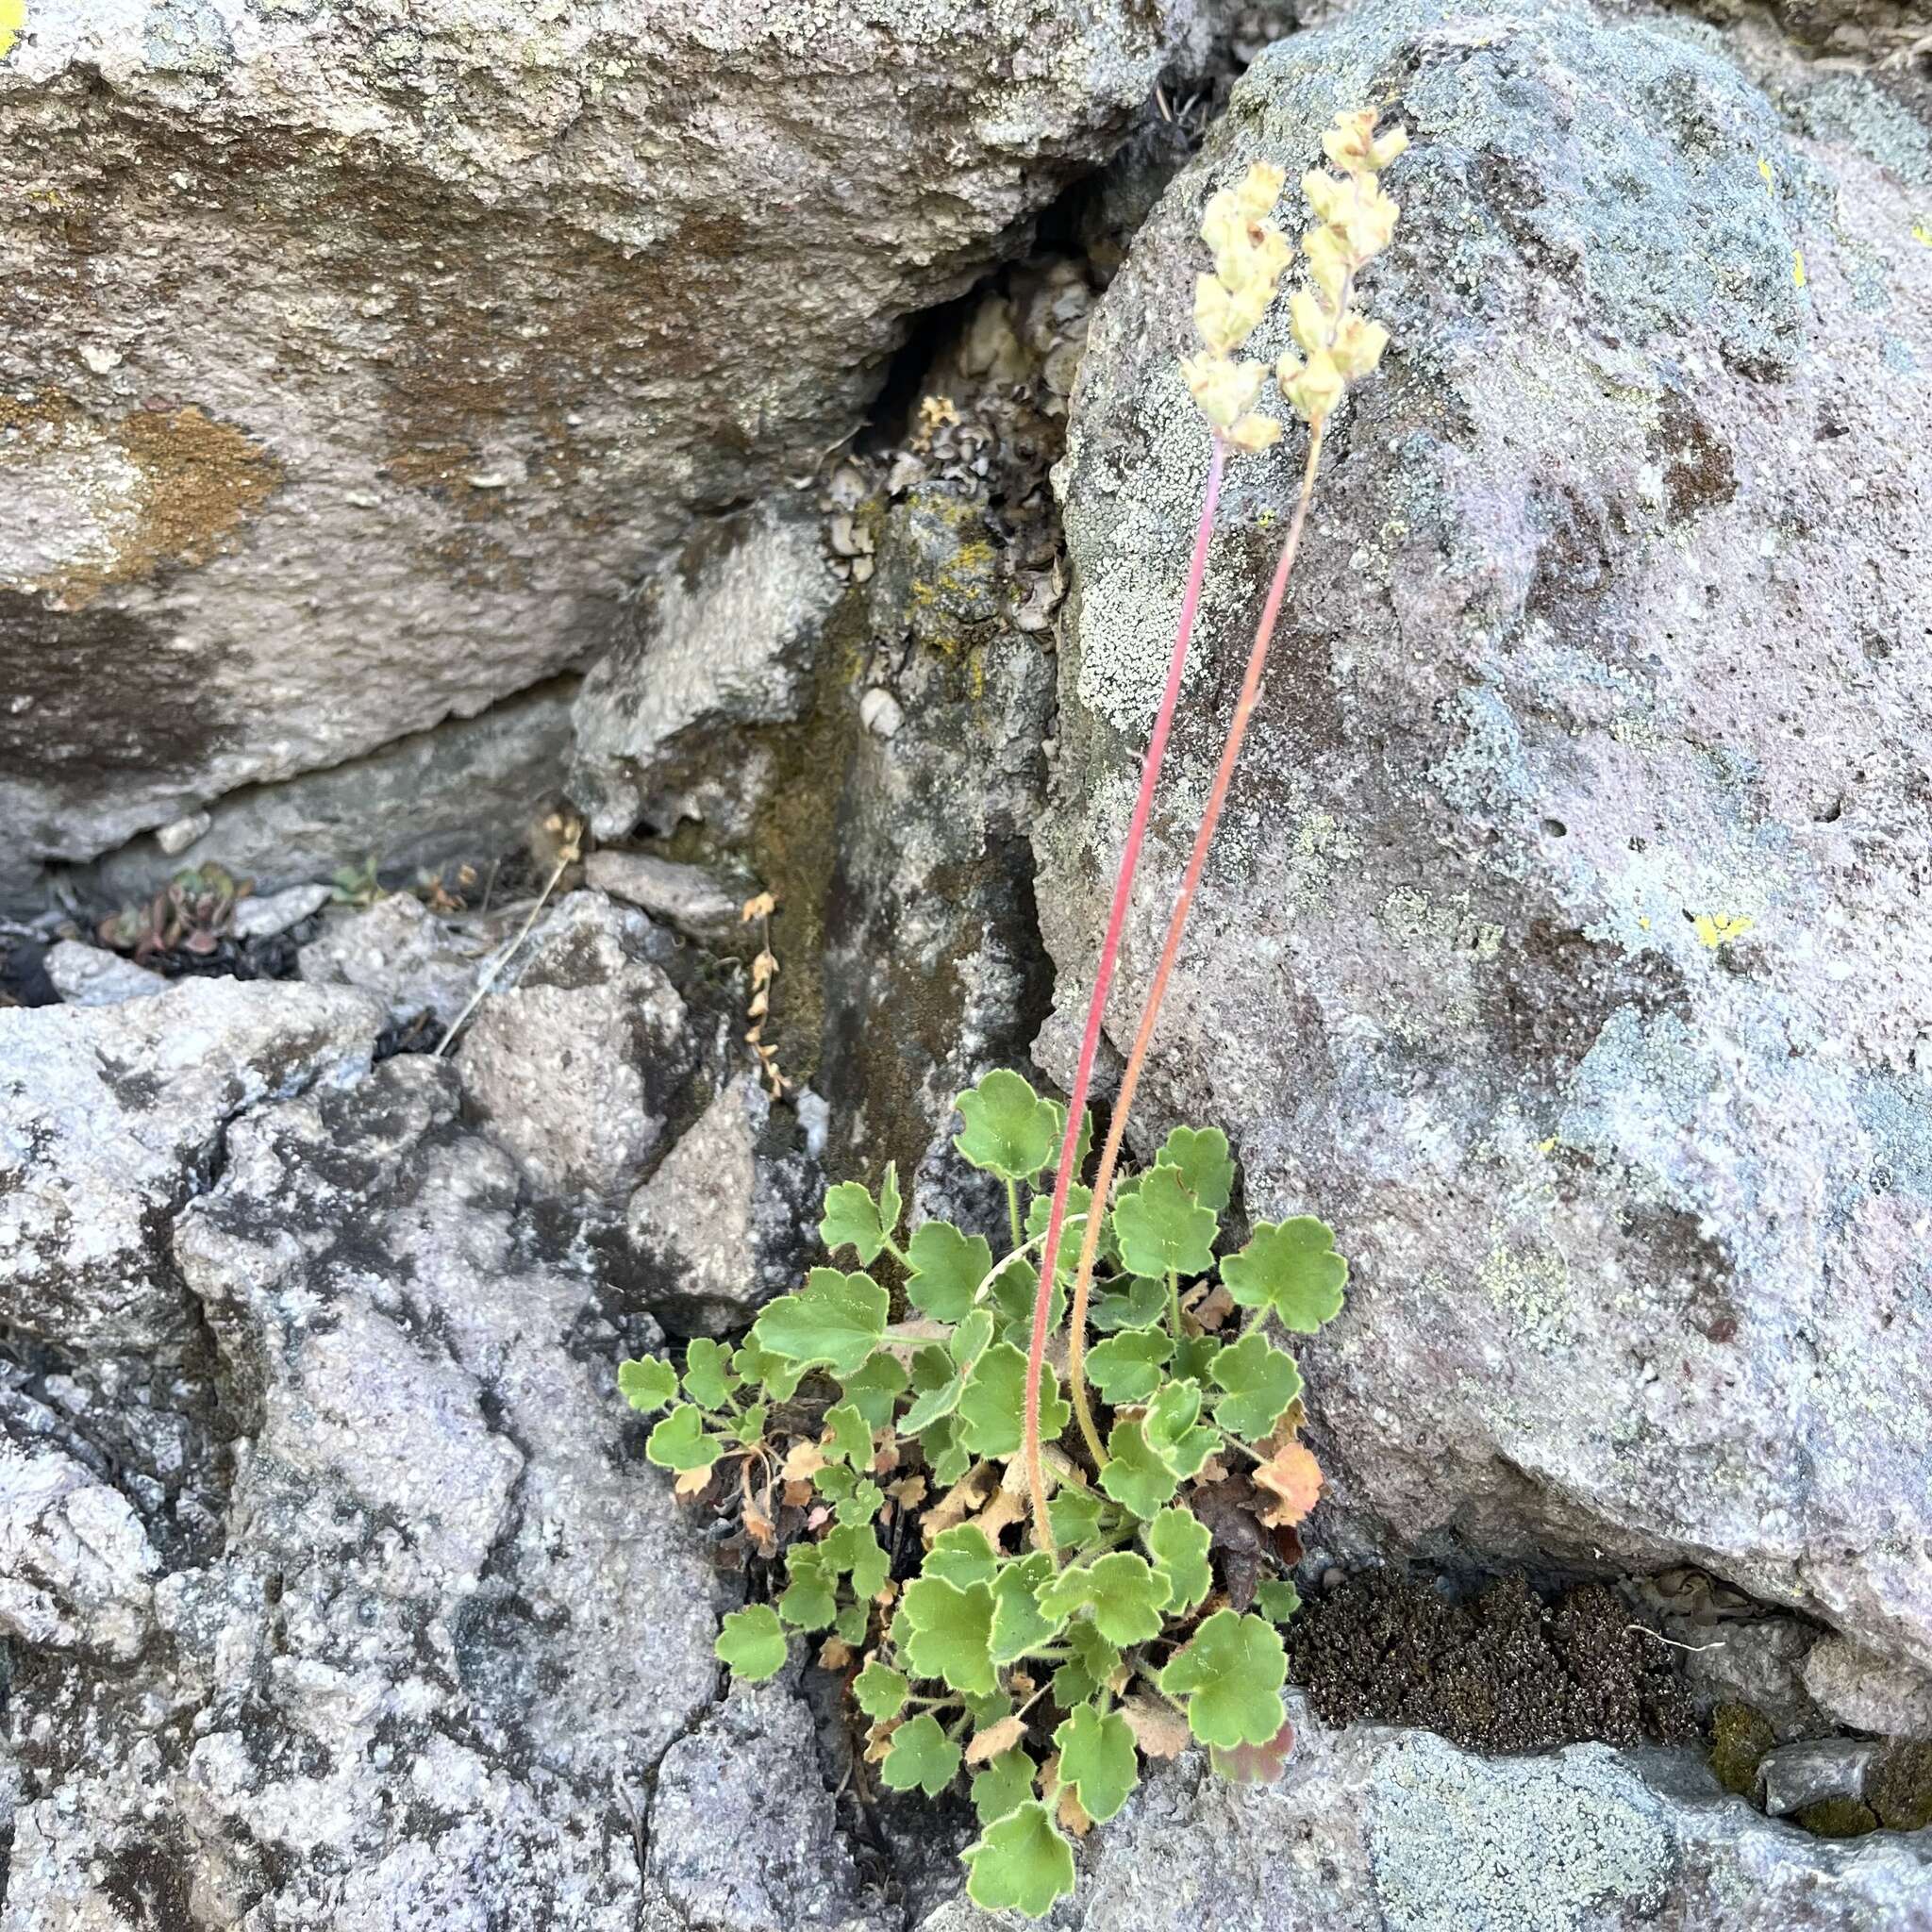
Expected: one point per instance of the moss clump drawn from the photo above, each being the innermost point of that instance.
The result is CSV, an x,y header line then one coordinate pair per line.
x,y
1900,1788
1739,1737
1837,1818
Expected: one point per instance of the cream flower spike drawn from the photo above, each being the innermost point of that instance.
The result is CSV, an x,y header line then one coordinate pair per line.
x,y
1251,255
1357,222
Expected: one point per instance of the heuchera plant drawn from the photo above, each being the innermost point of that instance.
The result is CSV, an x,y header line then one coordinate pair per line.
x,y
1040,1677
1077,1606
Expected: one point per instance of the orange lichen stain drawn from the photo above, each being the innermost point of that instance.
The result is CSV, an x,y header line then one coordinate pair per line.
x,y
191,481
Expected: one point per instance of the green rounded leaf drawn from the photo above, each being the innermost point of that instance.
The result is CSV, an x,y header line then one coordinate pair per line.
x,y
1179,1541
679,1442
647,1383
1135,1477
1200,1154
1126,1366
946,1269
1098,1759
1015,1290
1019,1624
1009,1130
1171,1427
1260,1379
1290,1267
1020,1863
875,1390
847,1438
1077,1516
1091,1669
1120,1591
922,1757
853,1623
1231,1676
1277,1601
835,1321
879,1691
778,1377
992,1406
752,1642
853,1550
1162,1229
709,1378
948,1633
860,1504
853,1219
809,1601
1138,1302
1005,1783
962,1555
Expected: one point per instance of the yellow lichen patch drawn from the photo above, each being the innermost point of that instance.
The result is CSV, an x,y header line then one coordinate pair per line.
x,y
120,500
12,18
1798,266
1922,231
1719,928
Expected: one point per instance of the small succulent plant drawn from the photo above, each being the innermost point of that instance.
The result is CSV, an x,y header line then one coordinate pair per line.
x,y
192,913
1042,1676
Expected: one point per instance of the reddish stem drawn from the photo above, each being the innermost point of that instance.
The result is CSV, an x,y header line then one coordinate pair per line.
x,y
1096,1006
1190,879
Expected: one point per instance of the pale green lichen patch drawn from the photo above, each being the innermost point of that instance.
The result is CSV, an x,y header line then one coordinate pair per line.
x,y
1441,1827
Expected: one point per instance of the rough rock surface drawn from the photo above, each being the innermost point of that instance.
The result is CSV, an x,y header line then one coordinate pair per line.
x,y
454,1621
686,896
723,639
106,1116
723,1218
76,1565
354,366
466,791
86,976
402,954
1382,1830
739,1839
1550,948
573,1061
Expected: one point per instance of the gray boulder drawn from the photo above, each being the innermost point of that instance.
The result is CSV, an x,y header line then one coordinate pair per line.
x,y
723,639
577,1057
468,789
1550,949
108,1118
721,1223
440,332
743,1833
419,966
1373,1829
454,1622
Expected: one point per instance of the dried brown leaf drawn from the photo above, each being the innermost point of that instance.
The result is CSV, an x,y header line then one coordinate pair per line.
x,y
1159,1729
802,1460
988,1743
1294,1477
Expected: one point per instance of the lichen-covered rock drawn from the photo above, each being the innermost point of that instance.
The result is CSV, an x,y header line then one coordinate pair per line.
x,y
353,367
1550,948
108,1115
455,1619
574,1061
724,1219
1384,1830
743,1835
76,1566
